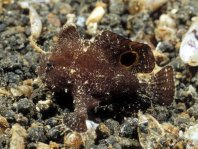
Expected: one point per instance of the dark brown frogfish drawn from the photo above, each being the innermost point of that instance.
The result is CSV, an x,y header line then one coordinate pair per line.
x,y
95,71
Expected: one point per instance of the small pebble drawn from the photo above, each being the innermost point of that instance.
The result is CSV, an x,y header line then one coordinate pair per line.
x,y
41,145
54,145
138,6
22,120
97,14
10,115
113,126
53,20
31,145
101,146
64,8
116,7
111,140
44,106
73,139
3,124
35,21
25,106
53,134
165,46
127,130
191,136
189,46
52,122
4,141
2,27
160,113
36,134
18,138
111,19
193,110
182,120
80,21
21,90
117,146
102,131
181,107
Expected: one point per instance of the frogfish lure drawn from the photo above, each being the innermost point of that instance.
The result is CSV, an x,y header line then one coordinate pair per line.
x,y
108,67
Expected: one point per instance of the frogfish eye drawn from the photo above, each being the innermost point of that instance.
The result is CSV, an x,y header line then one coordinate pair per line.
x,y
128,58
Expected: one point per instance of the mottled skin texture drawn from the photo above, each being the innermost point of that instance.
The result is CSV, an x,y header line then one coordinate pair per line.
x,y
100,70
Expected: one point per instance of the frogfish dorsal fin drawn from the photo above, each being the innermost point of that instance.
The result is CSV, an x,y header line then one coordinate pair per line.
x,y
68,40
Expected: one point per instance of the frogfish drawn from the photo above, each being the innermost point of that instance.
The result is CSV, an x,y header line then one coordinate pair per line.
x,y
108,67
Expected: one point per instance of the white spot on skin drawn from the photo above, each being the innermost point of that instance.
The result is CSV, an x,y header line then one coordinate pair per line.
x,y
72,71
100,76
85,49
86,82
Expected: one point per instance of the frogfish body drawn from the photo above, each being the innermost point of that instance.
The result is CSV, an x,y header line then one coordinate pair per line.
x,y
97,71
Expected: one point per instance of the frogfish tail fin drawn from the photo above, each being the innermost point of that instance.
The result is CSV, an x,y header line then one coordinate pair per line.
x,y
160,87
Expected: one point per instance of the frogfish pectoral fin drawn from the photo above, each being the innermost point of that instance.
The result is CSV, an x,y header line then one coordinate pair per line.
x,y
68,40
83,103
